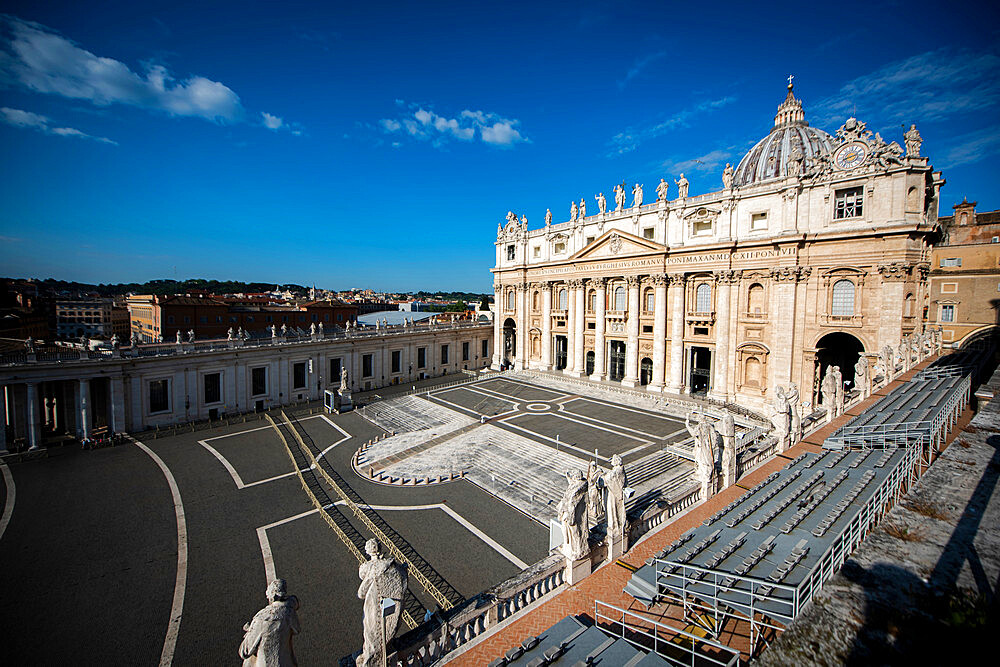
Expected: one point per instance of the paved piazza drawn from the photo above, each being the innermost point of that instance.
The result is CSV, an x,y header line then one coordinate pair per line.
x,y
93,534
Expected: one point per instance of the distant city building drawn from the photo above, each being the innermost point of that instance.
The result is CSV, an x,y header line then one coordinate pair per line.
x,y
412,306
965,273
84,317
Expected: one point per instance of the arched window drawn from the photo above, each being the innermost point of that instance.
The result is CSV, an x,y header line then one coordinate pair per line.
x,y
649,300
510,299
755,300
703,298
908,304
752,376
534,301
562,299
843,299
621,301
592,301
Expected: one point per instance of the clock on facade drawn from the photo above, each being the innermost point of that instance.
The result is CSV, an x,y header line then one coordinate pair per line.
x,y
850,155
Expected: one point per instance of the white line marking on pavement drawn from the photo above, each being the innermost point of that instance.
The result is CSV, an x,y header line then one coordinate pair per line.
x,y
8,507
265,545
177,608
251,430
560,444
222,459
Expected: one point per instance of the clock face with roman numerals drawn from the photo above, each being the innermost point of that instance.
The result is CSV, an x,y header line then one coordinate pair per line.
x,y
850,155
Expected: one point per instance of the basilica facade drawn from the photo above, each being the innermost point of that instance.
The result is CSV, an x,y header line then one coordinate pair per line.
x,y
815,251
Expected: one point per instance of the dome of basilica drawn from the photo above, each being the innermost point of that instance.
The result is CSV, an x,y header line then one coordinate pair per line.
x,y
789,147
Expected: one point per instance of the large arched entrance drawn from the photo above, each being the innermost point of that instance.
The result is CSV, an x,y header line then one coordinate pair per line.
x,y
839,349
509,341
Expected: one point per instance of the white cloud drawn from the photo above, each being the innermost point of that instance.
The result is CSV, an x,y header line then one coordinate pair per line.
x,y
271,122
709,162
629,139
972,147
425,124
28,119
639,66
37,58
928,87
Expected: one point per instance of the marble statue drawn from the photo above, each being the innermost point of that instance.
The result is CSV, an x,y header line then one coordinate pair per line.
x,y
343,379
861,378
602,203
274,331
548,217
159,338
637,196
619,191
583,209
839,395
795,406
915,348
524,221
572,211
615,482
320,328
178,337
727,176
795,159
888,363
573,516
381,579
312,329
115,341
939,339
682,186
903,354
229,334
134,340
29,345
661,190
593,491
828,388
727,430
284,330
190,335
782,419
704,451
912,139
268,638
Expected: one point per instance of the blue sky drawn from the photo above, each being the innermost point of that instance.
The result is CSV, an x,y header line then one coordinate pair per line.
x,y
378,145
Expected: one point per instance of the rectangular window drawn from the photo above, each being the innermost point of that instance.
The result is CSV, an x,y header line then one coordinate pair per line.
x,y
299,375
213,387
335,370
647,328
948,313
536,252
590,239
159,396
258,381
647,233
486,344
444,354
559,248
758,221
510,253
367,366
421,357
702,228
650,301
465,351
848,203
951,261
397,361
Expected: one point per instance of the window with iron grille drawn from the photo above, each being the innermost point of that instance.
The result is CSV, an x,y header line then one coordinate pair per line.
x,y
843,299
848,203
703,298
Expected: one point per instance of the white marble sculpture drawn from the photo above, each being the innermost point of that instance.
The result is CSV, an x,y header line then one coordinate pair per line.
x,y
912,139
268,638
284,330
615,483
838,377
727,176
727,430
828,388
637,195
704,451
274,331
795,409
572,512
229,334
29,345
593,491
382,579
795,160
782,419
178,337
190,335
343,379
572,211
903,354
619,197
134,340
312,329
602,203
115,341
661,190
888,363
682,186
548,217
583,209
320,328
861,377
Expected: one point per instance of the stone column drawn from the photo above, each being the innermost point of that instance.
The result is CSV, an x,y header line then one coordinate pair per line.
x,y
138,411
782,311
116,396
600,301
676,287
55,411
546,326
84,409
497,329
631,378
579,324
522,327
893,292
34,427
659,331
720,383
47,408
570,321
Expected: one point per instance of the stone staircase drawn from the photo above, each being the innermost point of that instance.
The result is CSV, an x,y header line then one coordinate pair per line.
x,y
411,413
651,466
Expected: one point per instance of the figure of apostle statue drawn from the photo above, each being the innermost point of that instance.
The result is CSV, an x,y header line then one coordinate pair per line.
x,y
727,429
782,418
727,176
343,378
615,484
619,197
583,208
572,211
268,638
593,490
637,196
912,139
828,388
795,408
861,376
179,340
704,451
682,186
838,377
229,334
661,190
548,217
602,203
381,579
572,512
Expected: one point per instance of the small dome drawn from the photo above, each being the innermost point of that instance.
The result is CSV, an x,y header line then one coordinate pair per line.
x,y
791,135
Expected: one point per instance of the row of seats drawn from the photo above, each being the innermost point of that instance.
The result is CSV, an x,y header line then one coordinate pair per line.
x,y
756,556
841,507
813,502
757,504
787,500
779,573
739,501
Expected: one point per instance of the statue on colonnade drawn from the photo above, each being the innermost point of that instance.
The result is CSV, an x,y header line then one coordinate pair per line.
x,y
572,512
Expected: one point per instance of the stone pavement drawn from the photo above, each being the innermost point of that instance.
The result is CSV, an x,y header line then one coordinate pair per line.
x,y
608,582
